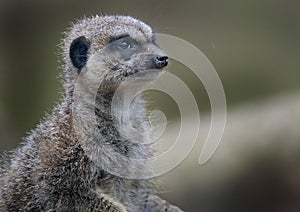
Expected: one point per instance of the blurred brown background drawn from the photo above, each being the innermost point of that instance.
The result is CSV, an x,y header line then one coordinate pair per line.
x,y
255,48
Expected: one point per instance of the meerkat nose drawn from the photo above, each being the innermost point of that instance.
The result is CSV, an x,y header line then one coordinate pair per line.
x,y
161,61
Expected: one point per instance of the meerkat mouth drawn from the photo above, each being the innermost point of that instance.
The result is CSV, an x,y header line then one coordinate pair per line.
x,y
148,74
153,67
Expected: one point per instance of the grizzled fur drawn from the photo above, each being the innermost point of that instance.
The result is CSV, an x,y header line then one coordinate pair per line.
x,y
54,170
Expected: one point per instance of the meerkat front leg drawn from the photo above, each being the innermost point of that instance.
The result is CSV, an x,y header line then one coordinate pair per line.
x,y
154,203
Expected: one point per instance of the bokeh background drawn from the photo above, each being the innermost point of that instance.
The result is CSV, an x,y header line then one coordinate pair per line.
x,y
253,45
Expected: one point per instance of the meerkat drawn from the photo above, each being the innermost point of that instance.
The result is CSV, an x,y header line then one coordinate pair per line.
x,y
59,167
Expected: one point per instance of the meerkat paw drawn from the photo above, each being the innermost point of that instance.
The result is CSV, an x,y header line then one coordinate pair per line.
x,y
108,204
154,203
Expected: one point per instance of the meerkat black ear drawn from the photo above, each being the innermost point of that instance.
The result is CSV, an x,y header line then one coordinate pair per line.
x,y
79,52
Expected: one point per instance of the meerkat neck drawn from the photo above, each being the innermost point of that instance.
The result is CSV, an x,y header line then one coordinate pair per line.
x,y
128,116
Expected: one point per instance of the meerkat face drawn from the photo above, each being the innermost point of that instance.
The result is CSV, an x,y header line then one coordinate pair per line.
x,y
113,48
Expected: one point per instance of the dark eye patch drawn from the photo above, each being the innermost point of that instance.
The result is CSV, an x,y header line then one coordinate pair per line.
x,y
79,52
125,45
117,38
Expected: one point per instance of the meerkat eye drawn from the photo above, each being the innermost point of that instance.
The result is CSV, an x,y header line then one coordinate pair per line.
x,y
125,45
124,42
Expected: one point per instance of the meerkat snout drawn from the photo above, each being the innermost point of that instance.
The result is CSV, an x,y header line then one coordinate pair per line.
x,y
135,56
161,61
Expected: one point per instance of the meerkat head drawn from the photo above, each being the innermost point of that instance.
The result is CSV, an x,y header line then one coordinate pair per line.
x,y
112,48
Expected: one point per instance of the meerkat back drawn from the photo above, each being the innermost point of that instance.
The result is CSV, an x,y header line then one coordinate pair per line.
x,y
66,162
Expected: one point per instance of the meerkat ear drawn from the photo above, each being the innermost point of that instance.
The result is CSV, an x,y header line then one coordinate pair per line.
x,y
79,52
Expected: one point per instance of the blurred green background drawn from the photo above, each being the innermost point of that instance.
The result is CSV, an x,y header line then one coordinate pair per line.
x,y
253,45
